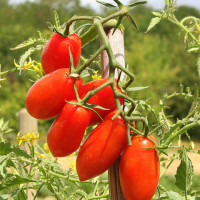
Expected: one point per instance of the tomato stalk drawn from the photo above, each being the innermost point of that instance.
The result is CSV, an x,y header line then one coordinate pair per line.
x,y
74,19
99,24
179,132
90,60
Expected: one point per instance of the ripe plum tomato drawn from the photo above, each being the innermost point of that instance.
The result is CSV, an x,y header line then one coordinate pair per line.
x,y
139,169
102,147
56,55
67,131
46,98
104,98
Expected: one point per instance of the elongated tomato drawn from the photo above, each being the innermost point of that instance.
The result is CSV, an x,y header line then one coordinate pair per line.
x,y
56,52
102,147
46,98
139,169
67,131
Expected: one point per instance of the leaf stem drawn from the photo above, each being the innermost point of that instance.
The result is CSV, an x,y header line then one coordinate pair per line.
x,y
181,131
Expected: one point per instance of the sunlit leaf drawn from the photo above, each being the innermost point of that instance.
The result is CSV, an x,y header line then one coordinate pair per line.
x,y
106,4
137,88
184,172
154,22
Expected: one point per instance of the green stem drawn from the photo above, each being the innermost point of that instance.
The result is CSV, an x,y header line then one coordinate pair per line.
x,y
76,92
8,71
73,19
128,134
166,168
89,61
38,191
181,131
99,197
71,179
131,75
124,10
174,20
189,18
93,92
119,94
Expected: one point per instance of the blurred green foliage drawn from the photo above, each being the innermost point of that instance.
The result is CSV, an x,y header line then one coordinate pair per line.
x,y
158,59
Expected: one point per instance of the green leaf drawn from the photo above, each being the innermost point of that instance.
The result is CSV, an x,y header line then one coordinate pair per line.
x,y
4,197
1,123
3,163
89,36
137,3
15,180
56,19
194,49
85,73
27,54
21,195
118,23
154,22
106,4
132,21
157,14
26,43
96,106
6,148
81,27
198,66
136,88
118,2
174,196
184,172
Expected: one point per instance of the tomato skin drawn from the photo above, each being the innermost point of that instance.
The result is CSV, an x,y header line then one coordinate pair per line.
x,y
56,55
67,131
104,98
46,98
139,169
102,147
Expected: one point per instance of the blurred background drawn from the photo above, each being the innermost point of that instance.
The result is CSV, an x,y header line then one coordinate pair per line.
x,y
159,58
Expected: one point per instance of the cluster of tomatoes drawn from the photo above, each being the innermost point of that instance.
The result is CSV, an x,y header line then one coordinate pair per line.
x,y
54,96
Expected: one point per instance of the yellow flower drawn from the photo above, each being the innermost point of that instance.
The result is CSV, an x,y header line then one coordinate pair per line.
x,y
27,137
32,137
46,148
72,165
27,64
96,76
40,155
31,64
197,29
23,138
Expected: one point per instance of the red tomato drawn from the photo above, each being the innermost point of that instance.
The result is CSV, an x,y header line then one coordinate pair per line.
x,y
102,147
104,98
56,52
139,169
67,131
46,98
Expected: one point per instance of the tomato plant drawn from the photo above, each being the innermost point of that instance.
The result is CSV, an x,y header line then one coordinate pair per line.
x,y
139,169
104,98
102,147
78,107
66,132
46,98
56,52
